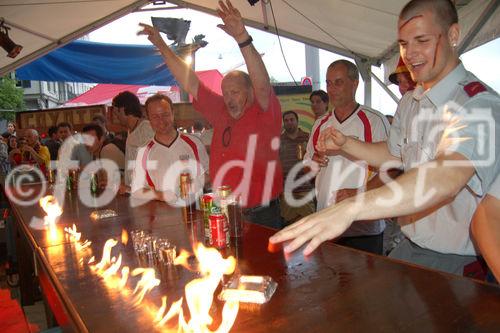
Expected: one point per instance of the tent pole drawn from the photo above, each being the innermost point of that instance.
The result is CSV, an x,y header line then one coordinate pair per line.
x,y
387,90
365,69
478,25
312,65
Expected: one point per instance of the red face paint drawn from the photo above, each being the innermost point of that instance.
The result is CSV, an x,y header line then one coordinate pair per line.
x,y
436,50
409,20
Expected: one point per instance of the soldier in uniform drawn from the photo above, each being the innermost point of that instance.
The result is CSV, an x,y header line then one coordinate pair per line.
x,y
435,138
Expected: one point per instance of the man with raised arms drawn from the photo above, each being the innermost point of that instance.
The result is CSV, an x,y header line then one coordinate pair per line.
x,y
244,153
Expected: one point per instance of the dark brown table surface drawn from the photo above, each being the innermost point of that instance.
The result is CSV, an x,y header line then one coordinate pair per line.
x,y
335,290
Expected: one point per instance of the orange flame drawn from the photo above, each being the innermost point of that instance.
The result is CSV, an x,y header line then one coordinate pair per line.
x,y
147,282
52,209
113,268
74,234
175,309
200,292
106,255
124,278
182,259
124,237
75,237
162,309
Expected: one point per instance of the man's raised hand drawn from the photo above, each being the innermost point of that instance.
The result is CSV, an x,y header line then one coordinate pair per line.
x,y
152,33
233,23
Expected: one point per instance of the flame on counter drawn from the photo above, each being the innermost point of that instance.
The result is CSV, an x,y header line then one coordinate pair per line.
x,y
76,236
174,310
182,259
199,293
124,278
124,237
52,209
147,282
106,256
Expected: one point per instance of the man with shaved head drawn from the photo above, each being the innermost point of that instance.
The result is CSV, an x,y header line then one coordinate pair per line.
x,y
442,136
244,153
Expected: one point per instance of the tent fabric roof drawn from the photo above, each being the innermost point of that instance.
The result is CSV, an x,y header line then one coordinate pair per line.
x,y
353,28
41,26
361,28
83,61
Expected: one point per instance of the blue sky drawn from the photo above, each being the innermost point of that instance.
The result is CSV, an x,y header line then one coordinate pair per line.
x,y
223,54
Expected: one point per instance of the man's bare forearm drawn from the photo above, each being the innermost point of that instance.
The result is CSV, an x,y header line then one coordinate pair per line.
x,y
382,178
412,192
182,72
258,73
486,231
375,154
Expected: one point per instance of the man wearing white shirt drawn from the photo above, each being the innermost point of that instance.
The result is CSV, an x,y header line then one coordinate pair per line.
x,y
128,109
341,176
161,161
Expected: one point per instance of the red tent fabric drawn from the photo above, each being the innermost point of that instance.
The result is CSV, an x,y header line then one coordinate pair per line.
x,y
104,93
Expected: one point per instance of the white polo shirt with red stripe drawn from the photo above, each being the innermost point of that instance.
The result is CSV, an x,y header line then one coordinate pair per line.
x,y
159,166
364,124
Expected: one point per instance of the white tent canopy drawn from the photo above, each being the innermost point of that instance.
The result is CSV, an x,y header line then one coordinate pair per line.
x,y
43,25
360,29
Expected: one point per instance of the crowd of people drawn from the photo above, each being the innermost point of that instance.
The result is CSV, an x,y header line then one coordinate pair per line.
x,y
352,174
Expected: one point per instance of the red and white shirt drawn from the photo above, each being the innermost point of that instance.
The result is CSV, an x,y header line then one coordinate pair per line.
x,y
364,124
159,166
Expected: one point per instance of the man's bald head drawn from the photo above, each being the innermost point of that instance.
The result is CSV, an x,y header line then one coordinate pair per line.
x,y
444,11
241,77
32,136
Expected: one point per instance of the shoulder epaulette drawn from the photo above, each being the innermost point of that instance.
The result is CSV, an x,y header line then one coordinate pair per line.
x,y
474,88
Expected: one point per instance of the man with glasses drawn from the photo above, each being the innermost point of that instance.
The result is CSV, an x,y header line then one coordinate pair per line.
x,y
246,119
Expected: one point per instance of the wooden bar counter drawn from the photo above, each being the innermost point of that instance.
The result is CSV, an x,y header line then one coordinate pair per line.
x,y
335,290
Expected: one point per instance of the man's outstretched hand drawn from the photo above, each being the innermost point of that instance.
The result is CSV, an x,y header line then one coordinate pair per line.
x,y
316,228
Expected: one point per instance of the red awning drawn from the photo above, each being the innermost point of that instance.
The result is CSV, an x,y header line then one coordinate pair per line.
x,y
104,93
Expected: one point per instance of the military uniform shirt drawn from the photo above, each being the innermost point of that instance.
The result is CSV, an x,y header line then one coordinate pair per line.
x,y
458,114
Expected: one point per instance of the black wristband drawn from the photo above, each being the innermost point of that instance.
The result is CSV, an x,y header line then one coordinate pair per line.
x,y
246,43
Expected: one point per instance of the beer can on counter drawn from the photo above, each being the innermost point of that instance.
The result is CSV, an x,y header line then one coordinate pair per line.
x,y
219,231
